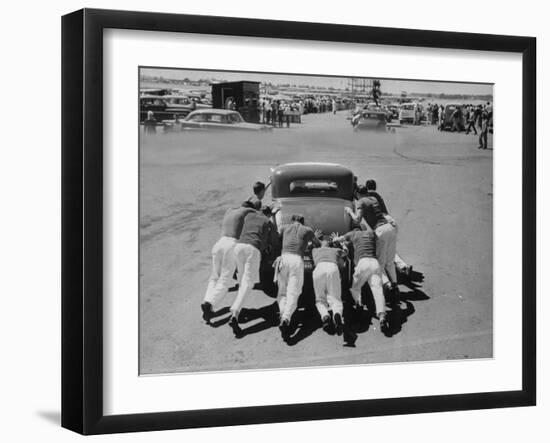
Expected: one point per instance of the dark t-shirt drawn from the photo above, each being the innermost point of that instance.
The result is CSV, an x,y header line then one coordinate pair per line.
x,y
372,213
379,199
477,116
364,244
296,237
256,231
256,202
233,220
325,254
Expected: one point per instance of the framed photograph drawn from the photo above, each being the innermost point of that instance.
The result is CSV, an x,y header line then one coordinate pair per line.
x,y
269,221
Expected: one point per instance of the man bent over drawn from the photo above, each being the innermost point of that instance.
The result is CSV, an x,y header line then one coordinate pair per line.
x,y
223,259
289,269
367,270
327,284
248,254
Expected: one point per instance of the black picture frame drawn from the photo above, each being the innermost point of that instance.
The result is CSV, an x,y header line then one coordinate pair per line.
x,y
82,220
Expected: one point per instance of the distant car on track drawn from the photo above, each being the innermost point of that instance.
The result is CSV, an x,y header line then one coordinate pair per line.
x,y
371,119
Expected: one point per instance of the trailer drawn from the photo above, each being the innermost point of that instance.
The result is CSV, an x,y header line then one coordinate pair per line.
x,y
241,96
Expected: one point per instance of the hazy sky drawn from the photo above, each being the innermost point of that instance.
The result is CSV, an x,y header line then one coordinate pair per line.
x,y
391,86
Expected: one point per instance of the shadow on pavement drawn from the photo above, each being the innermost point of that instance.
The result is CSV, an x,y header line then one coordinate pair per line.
x,y
304,323
269,315
306,319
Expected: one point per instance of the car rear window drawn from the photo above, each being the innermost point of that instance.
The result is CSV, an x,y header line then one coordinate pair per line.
x,y
313,187
374,116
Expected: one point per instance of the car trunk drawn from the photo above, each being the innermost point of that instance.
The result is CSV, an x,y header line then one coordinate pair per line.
x,y
324,213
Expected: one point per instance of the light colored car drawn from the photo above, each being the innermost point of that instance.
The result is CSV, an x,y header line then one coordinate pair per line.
x,y
215,119
407,112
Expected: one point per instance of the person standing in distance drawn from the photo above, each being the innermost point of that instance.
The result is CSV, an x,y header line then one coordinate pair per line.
x,y
483,134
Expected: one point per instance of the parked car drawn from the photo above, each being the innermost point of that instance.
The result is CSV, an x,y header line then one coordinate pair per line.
x,y
448,111
408,113
212,119
318,191
162,109
184,102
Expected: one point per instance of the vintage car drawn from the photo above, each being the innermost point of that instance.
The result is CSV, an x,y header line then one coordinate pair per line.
x,y
161,108
318,191
216,119
371,119
447,120
408,113
184,102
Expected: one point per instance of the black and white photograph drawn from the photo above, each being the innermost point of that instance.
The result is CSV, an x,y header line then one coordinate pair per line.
x,y
295,221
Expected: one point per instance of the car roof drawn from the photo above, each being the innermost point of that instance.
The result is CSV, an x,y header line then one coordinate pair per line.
x,y
214,111
175,96
310,170
283,175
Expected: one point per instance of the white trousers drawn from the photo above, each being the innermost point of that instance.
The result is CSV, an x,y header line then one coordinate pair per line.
x,y
386,239
223,269
368,271
328,289
290,281
248,260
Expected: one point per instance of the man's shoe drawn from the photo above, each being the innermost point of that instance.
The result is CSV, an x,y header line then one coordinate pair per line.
x,y
338,323
207,312
234,323
384,322
395,294
327,326
350,337
284,327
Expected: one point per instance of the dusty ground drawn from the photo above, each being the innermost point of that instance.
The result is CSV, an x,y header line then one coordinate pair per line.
x,y
437,186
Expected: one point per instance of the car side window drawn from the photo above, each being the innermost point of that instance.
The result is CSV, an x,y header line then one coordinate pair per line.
x,y
216,118
234,118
